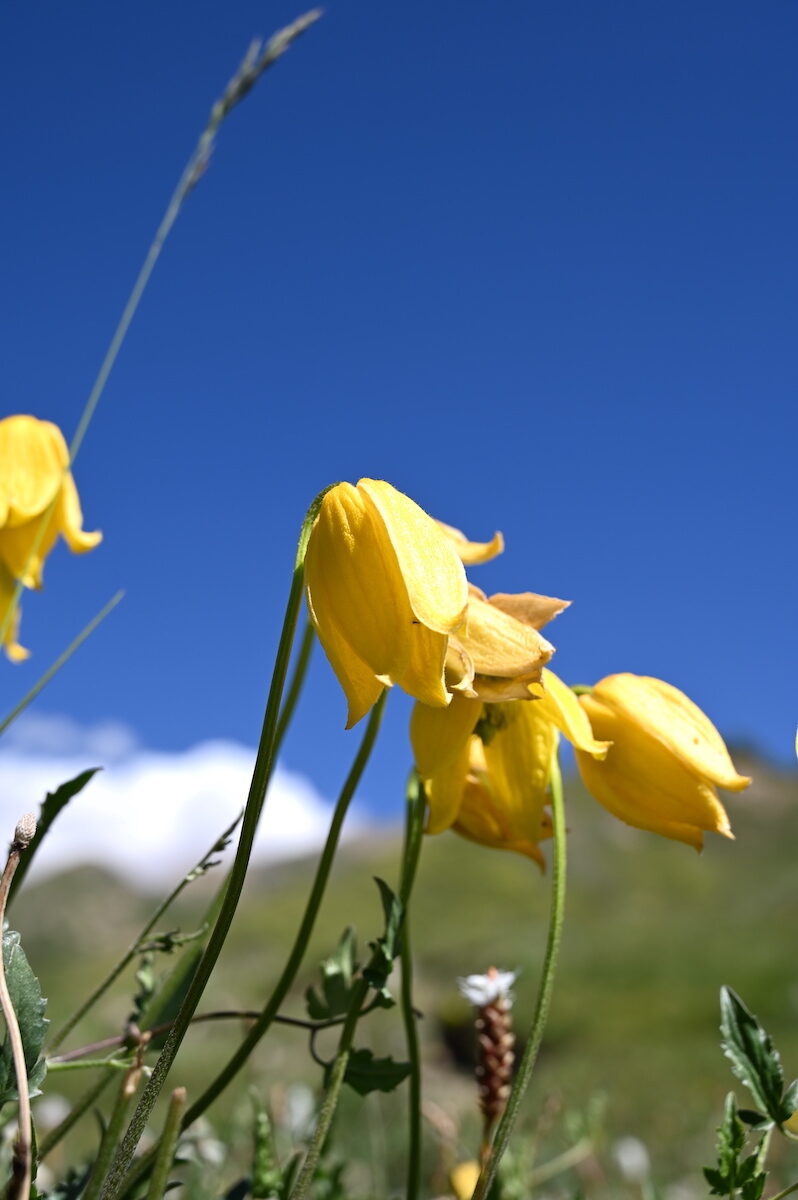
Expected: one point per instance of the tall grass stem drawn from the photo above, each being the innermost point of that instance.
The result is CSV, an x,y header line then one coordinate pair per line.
x,y
414,829
556,918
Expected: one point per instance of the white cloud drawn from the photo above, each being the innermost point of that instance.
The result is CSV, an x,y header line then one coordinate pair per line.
x,y
148,815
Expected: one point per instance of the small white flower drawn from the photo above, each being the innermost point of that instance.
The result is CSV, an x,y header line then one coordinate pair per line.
x,y
480,990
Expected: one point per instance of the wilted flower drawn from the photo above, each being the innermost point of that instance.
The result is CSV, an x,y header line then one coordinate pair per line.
x,y
665,761
34,479
386,588
486,767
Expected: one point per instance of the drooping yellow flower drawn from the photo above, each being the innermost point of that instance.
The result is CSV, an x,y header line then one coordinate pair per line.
x,y
34,479
665,761
486,767
7,592
385,590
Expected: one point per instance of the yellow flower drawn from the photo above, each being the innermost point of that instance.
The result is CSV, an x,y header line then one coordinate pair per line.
x,y
463,1179
34,478
486,767
7,591
665,761
385,590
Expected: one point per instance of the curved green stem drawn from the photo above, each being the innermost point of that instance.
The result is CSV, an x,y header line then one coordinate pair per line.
x,y
264,763
332,1092
787,1192
270,1012
414,828
295,685
535,1038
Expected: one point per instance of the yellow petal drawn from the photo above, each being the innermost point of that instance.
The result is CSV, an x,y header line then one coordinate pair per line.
x,y
644,784
33,456
473,553
438,735
69,519
563,709
423,677
676,721
518,762
481,820
444,792
360,685
463,1179
17,549
500,646
14,651
528,607
356,593
433,575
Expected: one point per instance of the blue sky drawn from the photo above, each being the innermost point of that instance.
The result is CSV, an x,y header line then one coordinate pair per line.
x,y
534,264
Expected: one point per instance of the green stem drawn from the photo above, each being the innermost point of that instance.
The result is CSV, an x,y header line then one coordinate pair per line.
x,y
89,1064
294,961
787,1192
55,1135
134,948
295,685
332,1092
63,658
414,828
166,1147
113,1132
264,763
535,1038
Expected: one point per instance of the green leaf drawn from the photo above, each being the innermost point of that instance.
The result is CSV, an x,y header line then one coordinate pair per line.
x,y
51,806
29,1005
717,1182
754,1059
386,947
754,1189
365,1073
337,973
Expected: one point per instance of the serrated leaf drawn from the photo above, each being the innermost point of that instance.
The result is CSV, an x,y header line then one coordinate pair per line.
x,y
754,1189
365,1073
717,1182
756,1120
386,947
29,1005
754,1059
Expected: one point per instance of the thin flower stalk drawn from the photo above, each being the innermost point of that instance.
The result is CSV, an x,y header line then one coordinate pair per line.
x,y
270,1013
556,918
264,764
113,1131
159,1180
414,831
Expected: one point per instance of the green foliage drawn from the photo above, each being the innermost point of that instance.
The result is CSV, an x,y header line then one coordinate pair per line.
x,y
733,1174
755,1061
386,947
337,975
365,1073
29,1005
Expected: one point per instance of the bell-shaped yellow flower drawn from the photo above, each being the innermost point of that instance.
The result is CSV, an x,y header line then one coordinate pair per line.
x,y
665,761
385,590
36,486
486,767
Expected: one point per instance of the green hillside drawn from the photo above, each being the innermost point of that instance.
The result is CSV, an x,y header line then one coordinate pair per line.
x,y
652,932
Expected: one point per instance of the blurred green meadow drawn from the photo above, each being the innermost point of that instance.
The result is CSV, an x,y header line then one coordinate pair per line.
x,y
652,932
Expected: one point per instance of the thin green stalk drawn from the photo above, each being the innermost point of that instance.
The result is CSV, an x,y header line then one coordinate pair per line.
x,y
58,1132
257,60
63,658
787,1192
113,1132
264,763
414,829
294,961
333,1090
295,685
535,1037
159,1180
89,1064
133,949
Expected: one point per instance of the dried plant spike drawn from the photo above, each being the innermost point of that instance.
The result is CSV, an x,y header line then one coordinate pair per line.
x,y
491,996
